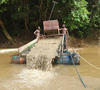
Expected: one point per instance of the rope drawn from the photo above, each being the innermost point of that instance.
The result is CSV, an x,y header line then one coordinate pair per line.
x,y
90,63
77,71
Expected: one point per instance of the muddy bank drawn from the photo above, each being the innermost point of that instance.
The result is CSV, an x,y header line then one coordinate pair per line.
x,y
86,42
18,43
72,42
93,39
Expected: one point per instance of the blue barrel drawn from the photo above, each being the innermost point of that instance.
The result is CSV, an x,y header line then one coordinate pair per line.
x,y
67,57
64,60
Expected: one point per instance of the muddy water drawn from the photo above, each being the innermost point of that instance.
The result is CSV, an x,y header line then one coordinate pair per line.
x,y
62,77
92,54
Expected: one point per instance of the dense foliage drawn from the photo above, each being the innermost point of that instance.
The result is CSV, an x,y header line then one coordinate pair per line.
x,y
78,18
19,18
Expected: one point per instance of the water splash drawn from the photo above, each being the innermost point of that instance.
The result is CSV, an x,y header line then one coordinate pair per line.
x,y
36,77
28,79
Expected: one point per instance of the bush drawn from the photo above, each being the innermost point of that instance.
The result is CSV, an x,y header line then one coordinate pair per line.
x,y
78,20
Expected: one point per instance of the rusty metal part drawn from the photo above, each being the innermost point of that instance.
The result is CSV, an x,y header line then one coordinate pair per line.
x,y
53,35
51,27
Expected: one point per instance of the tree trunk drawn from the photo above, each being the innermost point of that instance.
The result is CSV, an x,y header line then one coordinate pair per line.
x,y
26,19
46,10
5,32
26,27
40,17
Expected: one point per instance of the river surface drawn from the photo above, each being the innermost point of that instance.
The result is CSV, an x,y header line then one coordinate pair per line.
x,y
62,77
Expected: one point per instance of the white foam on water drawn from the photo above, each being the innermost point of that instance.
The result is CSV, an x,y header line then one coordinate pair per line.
x,y
35,77
29,79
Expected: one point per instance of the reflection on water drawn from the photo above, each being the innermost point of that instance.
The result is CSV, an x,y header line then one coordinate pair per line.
x,y
62,77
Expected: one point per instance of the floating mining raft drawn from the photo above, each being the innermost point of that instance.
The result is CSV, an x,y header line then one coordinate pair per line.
x,y
65,58
45,52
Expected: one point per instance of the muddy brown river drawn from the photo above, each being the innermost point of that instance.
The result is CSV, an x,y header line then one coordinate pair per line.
x,y
62,77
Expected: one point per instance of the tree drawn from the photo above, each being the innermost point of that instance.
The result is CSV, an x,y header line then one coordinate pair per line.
x,y
77,19
2,24
94,8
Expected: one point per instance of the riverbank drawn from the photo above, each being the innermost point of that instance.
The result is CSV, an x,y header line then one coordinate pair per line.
x,y
80,43
72,42
18,43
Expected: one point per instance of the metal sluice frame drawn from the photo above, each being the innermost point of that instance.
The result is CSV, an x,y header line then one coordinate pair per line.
x,y
51,28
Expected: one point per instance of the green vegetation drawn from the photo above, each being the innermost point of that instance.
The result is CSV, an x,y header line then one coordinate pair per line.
x,y
78,18
19,18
